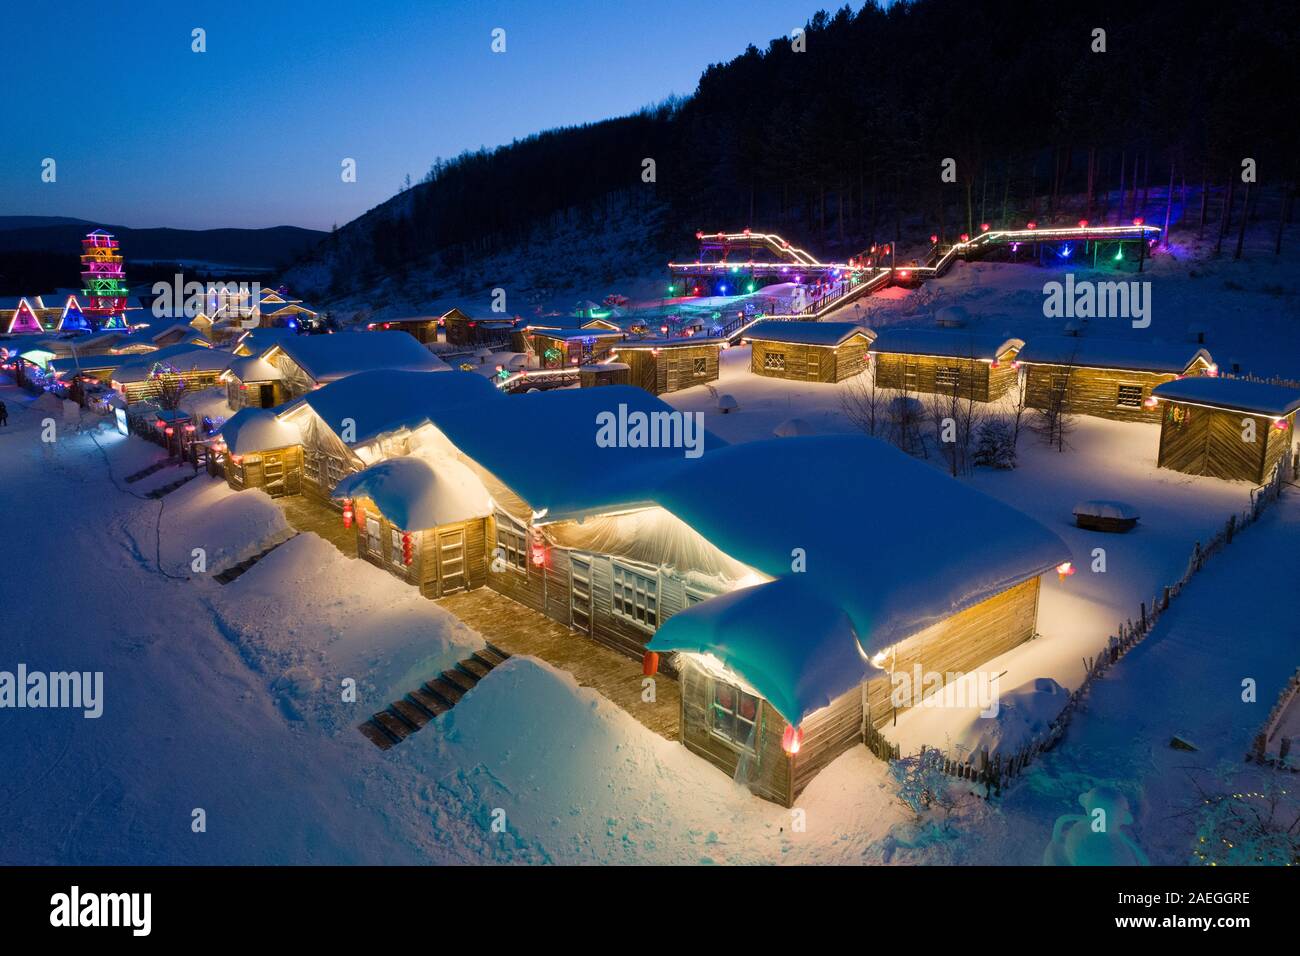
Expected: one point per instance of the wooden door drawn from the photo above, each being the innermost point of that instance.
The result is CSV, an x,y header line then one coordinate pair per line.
x,y
451,561
273,475
580,594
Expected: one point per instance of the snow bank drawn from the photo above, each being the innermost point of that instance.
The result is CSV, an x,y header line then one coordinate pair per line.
x,y
307,618
228,525
414,493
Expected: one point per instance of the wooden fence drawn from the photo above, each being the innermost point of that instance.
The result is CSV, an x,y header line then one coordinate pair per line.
x,y
1259,750
998,771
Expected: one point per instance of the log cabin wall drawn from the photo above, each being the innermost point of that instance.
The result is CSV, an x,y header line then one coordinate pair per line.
x,y
925,374
765,768
250,394
960,643
1103,393
278,472
794,361
827,733
150,388
426,570
673,369
850,358
1208,441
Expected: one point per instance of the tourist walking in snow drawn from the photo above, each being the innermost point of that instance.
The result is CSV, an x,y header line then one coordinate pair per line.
x,y
4,414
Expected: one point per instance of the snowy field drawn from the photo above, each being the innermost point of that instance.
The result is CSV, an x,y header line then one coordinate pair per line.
x,y
227,698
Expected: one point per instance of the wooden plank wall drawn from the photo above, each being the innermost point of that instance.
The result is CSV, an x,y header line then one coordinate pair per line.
x,y
1207,441
803,363
961,642
972,376
827,734
850,358
675,367
1091,391
767,772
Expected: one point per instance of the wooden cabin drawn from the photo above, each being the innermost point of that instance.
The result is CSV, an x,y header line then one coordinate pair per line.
x,y
565,348
307,362
252,382
260,451
422,520
259,341
669,365
1103,377
461,329
180,333
423,328
622,543
605,325
808,351
146,376
1226,428
363,418
606,373
945,362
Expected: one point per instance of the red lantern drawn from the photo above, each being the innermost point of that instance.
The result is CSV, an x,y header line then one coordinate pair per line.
x,y
408,548
650,663
1083,224
965,237
1031,225
347,512
933,238
1064,570
791,739
1138,221
984,227
537,548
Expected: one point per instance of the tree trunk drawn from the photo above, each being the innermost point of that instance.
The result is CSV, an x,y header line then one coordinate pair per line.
x,y
1245,215
1169,204
1123,168
1225,217
1205,202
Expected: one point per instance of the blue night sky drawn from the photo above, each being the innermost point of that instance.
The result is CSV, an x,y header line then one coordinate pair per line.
x,y
252,132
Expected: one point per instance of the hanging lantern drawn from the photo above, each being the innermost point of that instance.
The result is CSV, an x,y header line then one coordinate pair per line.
x,y
1281,424
1064,570
169,431
650,663
1150,401
965,237
984,227
791,739
1138,220
408,548
537,548
933,239
1031,225
347,512
1083,224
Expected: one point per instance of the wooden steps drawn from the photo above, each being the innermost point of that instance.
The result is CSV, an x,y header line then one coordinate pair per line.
x,y
167,489
430,700
235,570
146,472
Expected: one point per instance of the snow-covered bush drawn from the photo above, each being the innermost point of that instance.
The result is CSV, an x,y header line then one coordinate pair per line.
x,y
995,444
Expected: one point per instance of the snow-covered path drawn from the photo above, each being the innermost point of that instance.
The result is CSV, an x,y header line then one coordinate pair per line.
x,y
1235,621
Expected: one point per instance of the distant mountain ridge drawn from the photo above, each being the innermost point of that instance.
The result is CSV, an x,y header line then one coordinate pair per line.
x,y
272,247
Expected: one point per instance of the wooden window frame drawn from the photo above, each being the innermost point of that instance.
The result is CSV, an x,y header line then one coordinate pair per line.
x,y
947,376
641,594
395,551
699,366
374,542
512,544
774,361
1119,396
734,716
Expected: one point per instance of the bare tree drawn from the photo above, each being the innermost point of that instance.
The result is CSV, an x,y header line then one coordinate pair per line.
x,y
863,402
169,386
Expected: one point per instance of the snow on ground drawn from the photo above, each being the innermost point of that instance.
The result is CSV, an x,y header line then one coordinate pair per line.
x,y
228,525
1185,679
308,618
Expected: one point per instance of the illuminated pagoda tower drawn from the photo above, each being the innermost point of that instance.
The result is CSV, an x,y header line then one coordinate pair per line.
x,y
103,280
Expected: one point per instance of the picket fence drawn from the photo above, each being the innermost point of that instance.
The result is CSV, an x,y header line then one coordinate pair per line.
x,y
1259,749
998,771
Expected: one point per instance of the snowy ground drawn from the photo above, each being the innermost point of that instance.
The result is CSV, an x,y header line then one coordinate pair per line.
x,y
227,697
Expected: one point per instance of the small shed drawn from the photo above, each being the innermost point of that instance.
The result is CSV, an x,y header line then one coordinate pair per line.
x,y
1226,428
253,382
606,373
261,451
808,351
662,365
423,328
972,365
1106,378
563,348
422,520
462,329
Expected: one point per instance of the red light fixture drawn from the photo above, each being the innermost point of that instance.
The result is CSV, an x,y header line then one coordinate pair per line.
x,y
408,548
1083,224
933,239
1138,220
650,663
1064,570
965,237
791,739
1031,225
984,227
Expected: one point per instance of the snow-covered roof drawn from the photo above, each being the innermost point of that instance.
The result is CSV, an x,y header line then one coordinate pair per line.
x,y
254,368
576,333
1233,394
940,546
68,366
1101,508
253,430
544,447
750,630
385,401
1112,354
260,340
417,493
182,358
807,333
946,343
329,357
